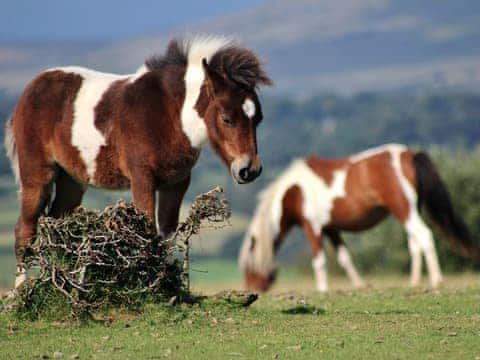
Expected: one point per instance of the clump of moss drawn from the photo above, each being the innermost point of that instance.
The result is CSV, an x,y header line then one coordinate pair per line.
x,y
93,260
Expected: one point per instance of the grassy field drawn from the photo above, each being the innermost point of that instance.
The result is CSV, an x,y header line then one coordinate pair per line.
x,y
388,320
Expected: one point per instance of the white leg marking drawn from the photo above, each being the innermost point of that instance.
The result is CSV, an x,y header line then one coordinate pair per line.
x,y
248,108
416,258
345,261
21,276
319,264
422,234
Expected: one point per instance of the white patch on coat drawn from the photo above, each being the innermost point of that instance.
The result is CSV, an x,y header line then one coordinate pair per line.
x,y
318,199
197,49
377,150
319,264
142,70
416,228
85,136
248,108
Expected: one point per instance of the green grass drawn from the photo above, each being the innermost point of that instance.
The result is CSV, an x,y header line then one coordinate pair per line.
x,y
377,323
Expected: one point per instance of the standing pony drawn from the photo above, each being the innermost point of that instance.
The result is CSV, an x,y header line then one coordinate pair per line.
x,y
327,196
74,127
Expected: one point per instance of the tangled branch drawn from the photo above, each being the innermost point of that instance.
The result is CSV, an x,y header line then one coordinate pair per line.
x,y
114,257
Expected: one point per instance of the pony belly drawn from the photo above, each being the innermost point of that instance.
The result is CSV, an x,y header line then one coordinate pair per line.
x,y
358,221
110,178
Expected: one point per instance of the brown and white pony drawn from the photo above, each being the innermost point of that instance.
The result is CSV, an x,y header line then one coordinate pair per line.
x,y
327,196
74,127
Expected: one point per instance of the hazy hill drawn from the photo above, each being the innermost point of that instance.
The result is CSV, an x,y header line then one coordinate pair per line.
x,y
343,46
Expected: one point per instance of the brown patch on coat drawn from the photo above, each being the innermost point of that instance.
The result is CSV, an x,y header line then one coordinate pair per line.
x,y
46,109
406,161
325,168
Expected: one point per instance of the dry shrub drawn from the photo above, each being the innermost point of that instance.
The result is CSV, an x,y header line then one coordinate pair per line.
x,y
93,260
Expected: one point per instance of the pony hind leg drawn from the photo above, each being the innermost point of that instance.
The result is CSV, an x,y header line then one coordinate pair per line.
x,y
345,260
420,240
67,195
422,236
34,196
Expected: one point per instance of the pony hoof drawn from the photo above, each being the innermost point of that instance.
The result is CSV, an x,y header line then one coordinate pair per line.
x,y
360,284
322,290
11,294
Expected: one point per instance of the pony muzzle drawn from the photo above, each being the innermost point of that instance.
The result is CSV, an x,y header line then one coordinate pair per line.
x,y
255,281
245,169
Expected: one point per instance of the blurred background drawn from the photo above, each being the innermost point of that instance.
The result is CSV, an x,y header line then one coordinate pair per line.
x,y
348,75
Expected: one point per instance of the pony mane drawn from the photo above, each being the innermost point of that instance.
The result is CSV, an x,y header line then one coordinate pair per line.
x,y
265,224
234,63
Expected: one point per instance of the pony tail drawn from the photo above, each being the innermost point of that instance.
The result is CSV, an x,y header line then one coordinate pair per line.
x,y
11,147
433,194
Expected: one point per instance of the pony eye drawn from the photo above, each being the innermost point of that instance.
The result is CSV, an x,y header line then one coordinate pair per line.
x,y
227,121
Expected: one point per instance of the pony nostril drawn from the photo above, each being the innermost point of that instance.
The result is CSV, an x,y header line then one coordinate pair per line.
x,y
244,173
259,172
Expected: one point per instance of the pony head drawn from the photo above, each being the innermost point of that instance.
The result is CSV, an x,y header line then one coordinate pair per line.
x,y
233,110
219,102
257,256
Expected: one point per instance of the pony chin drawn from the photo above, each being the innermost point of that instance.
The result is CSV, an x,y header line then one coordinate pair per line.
x,y
258,282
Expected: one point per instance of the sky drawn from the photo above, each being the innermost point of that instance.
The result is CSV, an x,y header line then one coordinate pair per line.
x,y
104,20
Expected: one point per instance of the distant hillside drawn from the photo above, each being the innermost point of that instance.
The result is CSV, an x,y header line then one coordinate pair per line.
x,y
343,46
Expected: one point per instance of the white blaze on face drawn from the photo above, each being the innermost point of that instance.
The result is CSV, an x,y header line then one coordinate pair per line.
x,y
248,108
85,136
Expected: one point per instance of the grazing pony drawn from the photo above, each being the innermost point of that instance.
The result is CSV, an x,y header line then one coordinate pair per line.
x,y
327,196
74,127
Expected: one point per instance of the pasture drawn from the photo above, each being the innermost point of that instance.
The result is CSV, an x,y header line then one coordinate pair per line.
x,y
388,320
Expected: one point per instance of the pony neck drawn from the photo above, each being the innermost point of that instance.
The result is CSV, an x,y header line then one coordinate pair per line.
x,y
193,124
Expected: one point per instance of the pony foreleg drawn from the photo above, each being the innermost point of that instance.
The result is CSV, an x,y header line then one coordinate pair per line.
x,y
167,208
319,262
345,260
416,258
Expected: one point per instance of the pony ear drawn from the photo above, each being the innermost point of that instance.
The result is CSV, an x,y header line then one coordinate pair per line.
x,y
214,81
